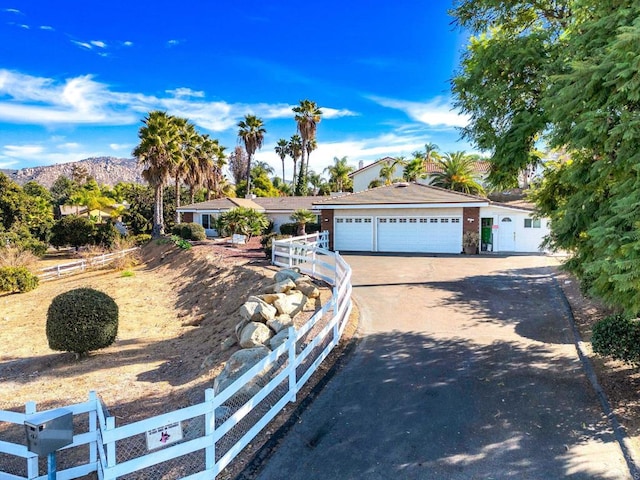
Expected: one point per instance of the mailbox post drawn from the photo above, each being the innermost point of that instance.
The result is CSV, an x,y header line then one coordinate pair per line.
x,y
48,432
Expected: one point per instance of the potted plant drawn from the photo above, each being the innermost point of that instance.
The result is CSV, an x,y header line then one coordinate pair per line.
x,y
470,242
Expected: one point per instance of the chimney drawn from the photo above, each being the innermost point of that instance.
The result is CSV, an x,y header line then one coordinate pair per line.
x,y
360,164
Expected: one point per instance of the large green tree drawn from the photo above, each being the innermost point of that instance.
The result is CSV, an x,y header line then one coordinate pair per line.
x,y
282,150
339,175
566,72
251,132
456,171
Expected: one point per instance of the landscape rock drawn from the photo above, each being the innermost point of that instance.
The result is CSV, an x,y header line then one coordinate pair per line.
x,y
279,339
281,322
227,343
286,273
239,326
309,289
254,335
292,304
255,309
281,287
239,363
271,297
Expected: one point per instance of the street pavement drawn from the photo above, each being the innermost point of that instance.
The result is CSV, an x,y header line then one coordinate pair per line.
x,y
466,368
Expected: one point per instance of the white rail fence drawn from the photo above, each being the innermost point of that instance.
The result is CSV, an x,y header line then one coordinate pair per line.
x,y
210,434
79,266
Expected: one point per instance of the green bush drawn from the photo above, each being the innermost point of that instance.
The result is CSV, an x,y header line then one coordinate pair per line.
x,y
106,235
180,242
191,231
82,320
267,242
17,279
292,228
618,337
141,238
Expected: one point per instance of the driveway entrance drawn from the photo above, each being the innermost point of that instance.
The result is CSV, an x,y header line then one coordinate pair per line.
x,y
466,370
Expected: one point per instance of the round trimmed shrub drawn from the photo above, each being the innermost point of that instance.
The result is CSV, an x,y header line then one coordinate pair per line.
x,y
19,279
82,320
189,231
617,336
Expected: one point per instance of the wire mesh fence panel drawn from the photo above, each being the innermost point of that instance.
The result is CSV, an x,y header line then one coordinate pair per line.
x,y
173,469
13,465
313,355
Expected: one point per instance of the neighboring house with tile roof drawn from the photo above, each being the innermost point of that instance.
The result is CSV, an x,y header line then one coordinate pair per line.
x,y
363,176
413,217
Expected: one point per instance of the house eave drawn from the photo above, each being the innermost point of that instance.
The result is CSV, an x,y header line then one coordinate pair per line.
x,y
401,205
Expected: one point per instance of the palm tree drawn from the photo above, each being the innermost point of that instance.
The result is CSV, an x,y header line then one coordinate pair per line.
x,y
339,173
188,159
389,168
252,135
308,115
302,217
457,173
294,149
157,152
282,150
414,169
317,182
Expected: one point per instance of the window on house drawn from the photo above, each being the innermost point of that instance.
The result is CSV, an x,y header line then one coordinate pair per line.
x,y
207,221
455,220
532,223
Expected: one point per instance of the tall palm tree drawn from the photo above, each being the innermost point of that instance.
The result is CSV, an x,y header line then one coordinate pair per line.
x,y
282,150
157,152
308,115
215,179
188,158
251,132
457,173
339,173
431,152
388,170
295,152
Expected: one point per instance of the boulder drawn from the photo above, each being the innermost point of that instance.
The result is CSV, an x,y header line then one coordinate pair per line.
x,y
281,322
292,304
279,339
281,287
255,310
239,326
254,335
271,297
227,343
309,289
286,273
237,365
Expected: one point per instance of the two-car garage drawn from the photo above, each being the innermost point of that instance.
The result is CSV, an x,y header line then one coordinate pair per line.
x,y
393,233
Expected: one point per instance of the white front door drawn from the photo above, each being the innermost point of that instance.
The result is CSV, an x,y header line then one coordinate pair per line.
x,y
506,234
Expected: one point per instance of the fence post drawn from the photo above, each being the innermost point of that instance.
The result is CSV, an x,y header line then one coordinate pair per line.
x,y
293,381
93,427
32,462
58,270
110,448
209,430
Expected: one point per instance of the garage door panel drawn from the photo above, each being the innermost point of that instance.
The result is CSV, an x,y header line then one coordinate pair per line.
x,y
353,234
420,234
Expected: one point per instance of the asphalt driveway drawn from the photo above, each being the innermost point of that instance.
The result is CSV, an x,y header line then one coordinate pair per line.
x,y
466,369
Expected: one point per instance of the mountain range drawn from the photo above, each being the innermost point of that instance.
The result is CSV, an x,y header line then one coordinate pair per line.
x,y
105,170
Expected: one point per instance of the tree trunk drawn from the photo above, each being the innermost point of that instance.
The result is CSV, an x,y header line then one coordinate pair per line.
x,y
177,188
158,220
248,176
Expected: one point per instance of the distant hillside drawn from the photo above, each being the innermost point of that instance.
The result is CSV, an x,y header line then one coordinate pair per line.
x,y
106,171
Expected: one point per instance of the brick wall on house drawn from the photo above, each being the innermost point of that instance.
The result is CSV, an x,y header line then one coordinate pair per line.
x,y
474,213
326,223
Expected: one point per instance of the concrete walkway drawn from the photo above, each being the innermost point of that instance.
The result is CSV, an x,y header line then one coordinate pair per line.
x,y
466,370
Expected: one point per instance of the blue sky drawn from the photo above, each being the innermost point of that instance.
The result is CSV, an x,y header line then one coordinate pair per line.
x,y
77,77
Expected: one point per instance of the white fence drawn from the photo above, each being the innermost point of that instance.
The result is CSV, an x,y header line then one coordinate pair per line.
x,y
79,266
210,434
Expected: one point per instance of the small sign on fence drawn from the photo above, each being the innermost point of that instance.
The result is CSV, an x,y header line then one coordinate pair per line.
x,y
163,436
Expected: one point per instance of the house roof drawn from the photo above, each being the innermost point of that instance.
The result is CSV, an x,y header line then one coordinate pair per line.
x,y
479,167
403,194
262,204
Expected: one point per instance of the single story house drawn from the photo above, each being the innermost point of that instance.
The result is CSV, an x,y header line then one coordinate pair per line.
x,y
100,214
277,209
413,217
364,175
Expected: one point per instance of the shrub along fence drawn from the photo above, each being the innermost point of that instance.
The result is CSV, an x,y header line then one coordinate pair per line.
x,y
199,441
79,266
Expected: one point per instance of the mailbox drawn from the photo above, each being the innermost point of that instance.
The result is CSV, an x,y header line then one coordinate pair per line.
x,y
49,431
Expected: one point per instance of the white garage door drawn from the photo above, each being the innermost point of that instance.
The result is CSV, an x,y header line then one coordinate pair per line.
x,y
353,234
420,234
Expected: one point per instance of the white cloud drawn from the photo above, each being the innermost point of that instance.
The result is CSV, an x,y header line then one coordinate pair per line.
x,y
44,154
13,10
173,42
117,147
127,44
436,112
26,27
335,113
185,92
22,150
98,43
46,27
86,45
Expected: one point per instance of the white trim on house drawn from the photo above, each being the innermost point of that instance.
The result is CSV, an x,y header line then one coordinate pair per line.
x,y
396,206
